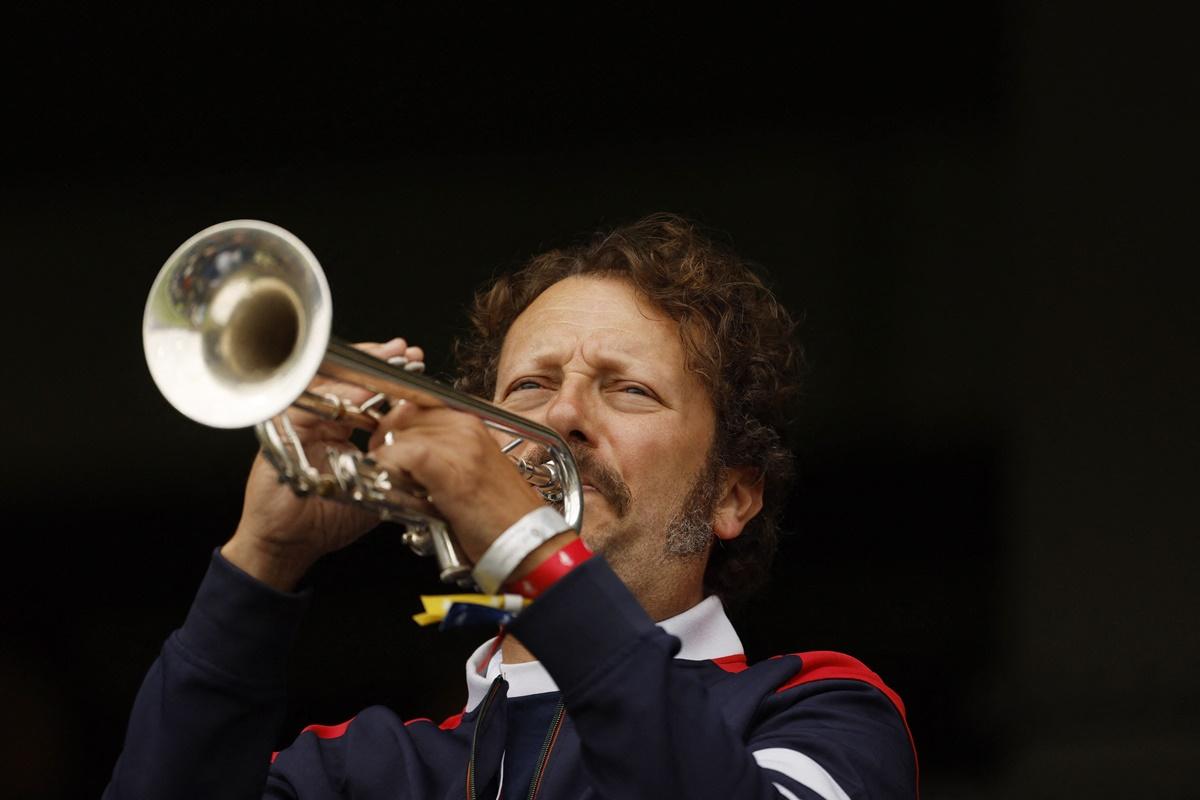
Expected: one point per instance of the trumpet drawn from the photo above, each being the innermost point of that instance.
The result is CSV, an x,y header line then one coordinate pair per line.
x,y
237,326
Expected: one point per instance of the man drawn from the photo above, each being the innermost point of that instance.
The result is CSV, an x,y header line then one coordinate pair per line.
x,y
666,365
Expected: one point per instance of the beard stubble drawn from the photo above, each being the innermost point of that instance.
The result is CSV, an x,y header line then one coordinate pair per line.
x,y
688,531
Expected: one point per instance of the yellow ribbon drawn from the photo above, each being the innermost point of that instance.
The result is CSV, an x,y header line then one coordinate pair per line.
x,y
437,606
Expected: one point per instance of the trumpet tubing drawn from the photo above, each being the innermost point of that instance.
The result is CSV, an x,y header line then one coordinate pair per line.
x,y
236,327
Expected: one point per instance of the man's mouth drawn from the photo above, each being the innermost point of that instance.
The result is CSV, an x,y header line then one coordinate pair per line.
x,y
607,486
615,493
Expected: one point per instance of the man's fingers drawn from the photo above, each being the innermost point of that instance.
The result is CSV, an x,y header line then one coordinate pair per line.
x,y
412,359
357,394
406,416
316,426
385,350
400,416
313,427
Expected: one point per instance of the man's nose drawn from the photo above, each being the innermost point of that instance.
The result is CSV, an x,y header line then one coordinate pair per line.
x,y
571,412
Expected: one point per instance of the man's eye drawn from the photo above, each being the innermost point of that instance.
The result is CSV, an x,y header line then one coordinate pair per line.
x,y
526,385
635,390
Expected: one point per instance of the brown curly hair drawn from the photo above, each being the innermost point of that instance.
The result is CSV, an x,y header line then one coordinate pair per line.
x,y
736,335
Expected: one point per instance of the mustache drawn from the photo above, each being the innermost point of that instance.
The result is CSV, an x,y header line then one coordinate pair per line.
x,y
594,472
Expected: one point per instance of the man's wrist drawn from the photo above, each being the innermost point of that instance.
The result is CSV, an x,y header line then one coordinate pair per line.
x,y
281,569
546,565
512,548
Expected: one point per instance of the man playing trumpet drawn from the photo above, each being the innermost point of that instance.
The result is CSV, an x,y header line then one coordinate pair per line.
x,y
668,368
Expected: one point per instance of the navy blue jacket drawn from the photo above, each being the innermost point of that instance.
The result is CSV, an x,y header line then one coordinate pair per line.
x,y
630,720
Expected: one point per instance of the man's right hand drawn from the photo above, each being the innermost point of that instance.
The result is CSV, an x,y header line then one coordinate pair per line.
x,y
280,536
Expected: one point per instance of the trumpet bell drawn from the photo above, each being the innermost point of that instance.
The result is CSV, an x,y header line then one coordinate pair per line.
x,y
236,327
237,323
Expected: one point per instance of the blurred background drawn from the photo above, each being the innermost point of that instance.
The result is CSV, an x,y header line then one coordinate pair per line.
x,y
984,213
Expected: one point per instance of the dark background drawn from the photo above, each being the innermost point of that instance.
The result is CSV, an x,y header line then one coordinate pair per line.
x,y
984,212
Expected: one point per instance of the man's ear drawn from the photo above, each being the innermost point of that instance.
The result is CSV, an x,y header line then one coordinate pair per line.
x,y
741,500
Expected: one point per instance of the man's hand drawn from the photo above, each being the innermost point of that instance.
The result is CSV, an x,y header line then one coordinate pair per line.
x,y
458,460
280,536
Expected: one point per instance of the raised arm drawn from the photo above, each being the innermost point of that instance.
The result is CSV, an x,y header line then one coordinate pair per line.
x,y
206,718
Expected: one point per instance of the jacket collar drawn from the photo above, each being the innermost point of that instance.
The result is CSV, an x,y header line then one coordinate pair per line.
x,y
704,632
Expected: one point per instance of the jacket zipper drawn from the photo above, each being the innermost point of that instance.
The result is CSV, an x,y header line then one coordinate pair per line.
x,y
548,745
483,709
535,784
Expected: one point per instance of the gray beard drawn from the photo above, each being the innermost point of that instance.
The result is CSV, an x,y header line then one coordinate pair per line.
x,y
690,531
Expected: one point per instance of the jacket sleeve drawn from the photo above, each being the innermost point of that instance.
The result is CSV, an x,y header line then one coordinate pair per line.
x,y
204,722
648,730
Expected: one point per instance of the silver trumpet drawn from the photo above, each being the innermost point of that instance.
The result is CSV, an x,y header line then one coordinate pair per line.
x,y
237,326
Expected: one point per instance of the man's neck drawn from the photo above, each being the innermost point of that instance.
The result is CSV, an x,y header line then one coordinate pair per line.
x,y
513,652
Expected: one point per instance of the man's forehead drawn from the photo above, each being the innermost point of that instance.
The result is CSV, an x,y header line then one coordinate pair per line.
x,y
607,346
603,317
600,296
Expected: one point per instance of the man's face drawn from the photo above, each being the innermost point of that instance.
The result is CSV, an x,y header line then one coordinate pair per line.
x,y
605,369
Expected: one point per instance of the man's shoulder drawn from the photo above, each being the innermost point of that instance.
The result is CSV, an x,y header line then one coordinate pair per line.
x,y
829,665
822,677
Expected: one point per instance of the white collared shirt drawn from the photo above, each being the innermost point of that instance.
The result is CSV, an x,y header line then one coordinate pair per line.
x,y
704,632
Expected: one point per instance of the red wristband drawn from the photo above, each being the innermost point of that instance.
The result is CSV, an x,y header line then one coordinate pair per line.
x,y
545,574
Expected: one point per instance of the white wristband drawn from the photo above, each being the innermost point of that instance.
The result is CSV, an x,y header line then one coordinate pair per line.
x,y
510,548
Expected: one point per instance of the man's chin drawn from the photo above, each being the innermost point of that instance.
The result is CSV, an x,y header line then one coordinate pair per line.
x,y
597,518
595,534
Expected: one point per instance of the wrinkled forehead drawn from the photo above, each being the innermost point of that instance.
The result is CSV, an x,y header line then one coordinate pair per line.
x,y
604,320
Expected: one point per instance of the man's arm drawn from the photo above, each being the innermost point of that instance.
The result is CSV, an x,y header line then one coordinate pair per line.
x,y
206,718
648,730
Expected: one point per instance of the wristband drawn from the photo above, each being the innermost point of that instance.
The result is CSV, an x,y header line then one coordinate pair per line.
x,y
549,571
510,548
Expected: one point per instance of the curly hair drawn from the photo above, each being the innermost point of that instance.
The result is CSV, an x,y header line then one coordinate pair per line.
x,y
737,337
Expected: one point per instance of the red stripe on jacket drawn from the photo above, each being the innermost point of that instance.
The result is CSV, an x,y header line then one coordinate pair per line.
x,y
329,731
734,663
322,732
826,665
